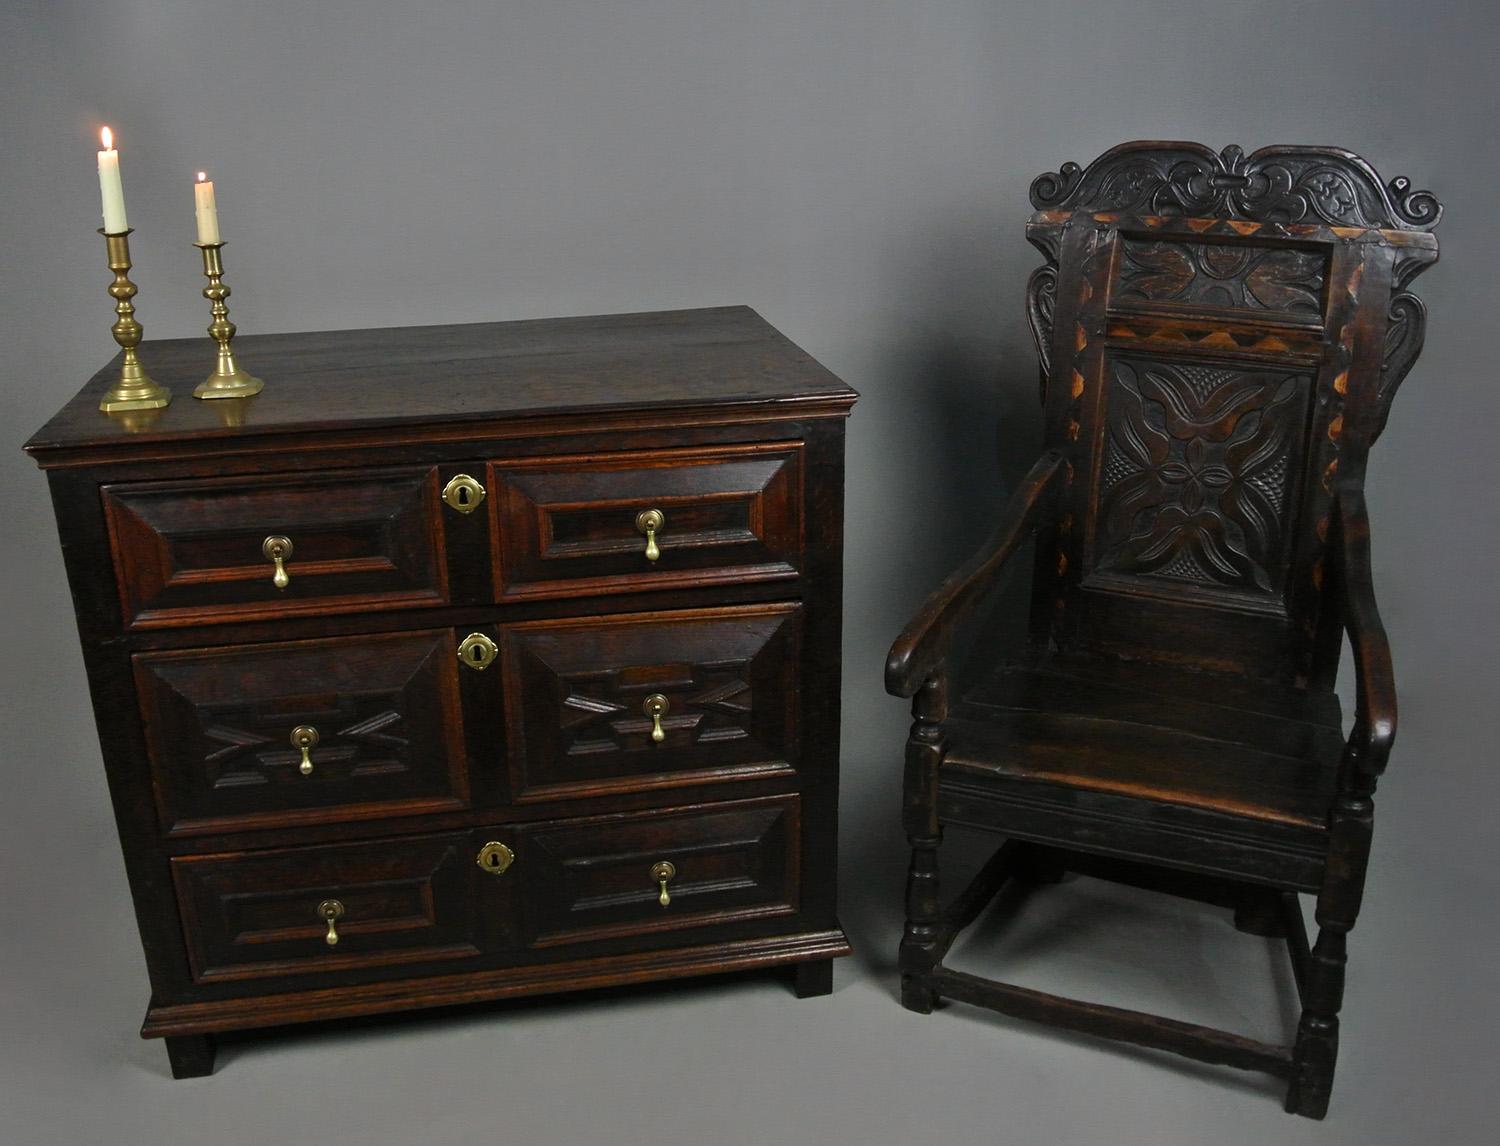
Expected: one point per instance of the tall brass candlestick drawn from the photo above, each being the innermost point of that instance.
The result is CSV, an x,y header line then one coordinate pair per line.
x,y
227,380
134,389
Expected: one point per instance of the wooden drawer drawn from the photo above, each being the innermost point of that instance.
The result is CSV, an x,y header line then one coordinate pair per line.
x,y
594,879
193,552
219,724
568,526
404,900
578,695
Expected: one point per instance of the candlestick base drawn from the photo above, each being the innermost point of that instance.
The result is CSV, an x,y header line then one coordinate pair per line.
x,y
227,380
134,389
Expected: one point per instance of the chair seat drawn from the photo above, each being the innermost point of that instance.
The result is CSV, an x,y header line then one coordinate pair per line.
x,y
1171,749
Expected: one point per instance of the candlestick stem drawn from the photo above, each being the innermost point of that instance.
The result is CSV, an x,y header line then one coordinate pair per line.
x,y
227,380
134,389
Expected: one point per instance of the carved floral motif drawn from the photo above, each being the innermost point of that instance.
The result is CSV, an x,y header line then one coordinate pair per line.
x,y
1197,474
1222,274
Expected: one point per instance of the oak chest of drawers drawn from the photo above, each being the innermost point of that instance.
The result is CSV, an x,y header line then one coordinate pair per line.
x,y
465,662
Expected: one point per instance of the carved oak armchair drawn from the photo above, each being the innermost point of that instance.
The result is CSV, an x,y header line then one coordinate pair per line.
x,y
1220,339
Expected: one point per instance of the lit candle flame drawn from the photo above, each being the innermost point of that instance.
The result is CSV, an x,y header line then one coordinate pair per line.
x,y
203,177
107,138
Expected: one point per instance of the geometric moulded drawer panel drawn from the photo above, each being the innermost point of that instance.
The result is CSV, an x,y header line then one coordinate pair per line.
x,y
650,700
379,716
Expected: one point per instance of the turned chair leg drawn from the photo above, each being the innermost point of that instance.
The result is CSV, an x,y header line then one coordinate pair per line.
x,y
924,755
919,940
1317,1049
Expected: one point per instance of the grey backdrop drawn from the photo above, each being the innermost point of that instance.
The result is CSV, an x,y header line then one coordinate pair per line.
x,y
857,171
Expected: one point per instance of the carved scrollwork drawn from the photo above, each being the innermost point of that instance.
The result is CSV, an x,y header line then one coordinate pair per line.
x,y
1404,335
1273,185
1041,298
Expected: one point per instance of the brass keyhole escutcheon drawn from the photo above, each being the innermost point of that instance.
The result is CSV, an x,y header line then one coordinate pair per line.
x,y
495,857
463,493
649,522
656,706
661,872
278,550
330,911
477,651
305,737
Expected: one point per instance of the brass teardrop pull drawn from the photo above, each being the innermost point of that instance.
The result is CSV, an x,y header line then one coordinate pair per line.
x,y
649,522
305,737
656,706
278,550
330,911
661,872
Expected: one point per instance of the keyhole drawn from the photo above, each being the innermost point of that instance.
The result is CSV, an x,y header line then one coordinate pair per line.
x,y
477,653
463,495
494,860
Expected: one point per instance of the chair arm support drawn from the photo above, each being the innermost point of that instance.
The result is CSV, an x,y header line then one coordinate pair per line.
x,y
1375,682
923,644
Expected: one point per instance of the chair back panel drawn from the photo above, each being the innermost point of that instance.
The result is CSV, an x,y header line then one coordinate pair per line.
x,y
1220,337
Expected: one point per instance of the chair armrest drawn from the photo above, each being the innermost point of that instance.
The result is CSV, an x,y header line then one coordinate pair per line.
x,y
1375,682
923,644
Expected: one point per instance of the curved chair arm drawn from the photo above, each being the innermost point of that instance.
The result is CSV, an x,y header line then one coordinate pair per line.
x,y
923,645
1375,682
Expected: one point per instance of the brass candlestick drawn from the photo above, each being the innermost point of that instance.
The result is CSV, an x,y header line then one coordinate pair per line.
x,y
227,380
134,389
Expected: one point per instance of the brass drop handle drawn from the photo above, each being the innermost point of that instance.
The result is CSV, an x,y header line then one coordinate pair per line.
x,y
649,522
661,872
278,551
330,911
656,706
305,737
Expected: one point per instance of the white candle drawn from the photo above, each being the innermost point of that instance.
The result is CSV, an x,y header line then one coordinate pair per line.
x,y
109,186
207,208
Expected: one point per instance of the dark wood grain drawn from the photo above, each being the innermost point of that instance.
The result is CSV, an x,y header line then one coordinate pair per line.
x,y
1198,1042
249,1013
575,691
191,552
567,526
1221,336
254,914
385,707
199,667
395,377
592,879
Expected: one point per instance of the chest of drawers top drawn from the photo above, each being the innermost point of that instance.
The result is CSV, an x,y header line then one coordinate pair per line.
x,y
332,390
